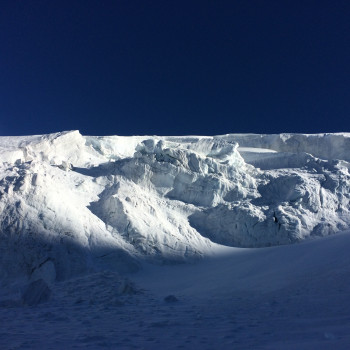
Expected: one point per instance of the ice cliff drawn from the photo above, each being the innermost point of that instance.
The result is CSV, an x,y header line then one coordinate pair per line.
x,y
71,203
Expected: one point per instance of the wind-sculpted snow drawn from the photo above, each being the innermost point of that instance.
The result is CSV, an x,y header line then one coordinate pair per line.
x,y
71,203
324,146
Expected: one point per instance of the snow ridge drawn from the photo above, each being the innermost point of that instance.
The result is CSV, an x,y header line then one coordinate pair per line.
x,y
71,203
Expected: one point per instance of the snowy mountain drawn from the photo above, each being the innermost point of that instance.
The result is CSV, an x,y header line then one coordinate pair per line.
x,y
73,203
92,230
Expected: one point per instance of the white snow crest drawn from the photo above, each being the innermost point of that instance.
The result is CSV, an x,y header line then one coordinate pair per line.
x,y
71,203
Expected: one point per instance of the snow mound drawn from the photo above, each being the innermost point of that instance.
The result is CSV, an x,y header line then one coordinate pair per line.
x,y
71,203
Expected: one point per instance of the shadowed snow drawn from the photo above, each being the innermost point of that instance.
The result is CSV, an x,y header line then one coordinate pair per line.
x,y
92,230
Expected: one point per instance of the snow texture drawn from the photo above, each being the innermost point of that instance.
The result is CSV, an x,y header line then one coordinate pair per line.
x,y
70,203
78,211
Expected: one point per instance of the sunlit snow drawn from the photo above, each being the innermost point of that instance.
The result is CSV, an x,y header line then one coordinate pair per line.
x,y
151,242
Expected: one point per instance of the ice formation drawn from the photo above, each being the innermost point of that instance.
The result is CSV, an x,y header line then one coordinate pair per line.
x,y
71,203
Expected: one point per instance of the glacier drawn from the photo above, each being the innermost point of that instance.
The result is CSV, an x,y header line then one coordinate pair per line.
x,y
153,242
71,204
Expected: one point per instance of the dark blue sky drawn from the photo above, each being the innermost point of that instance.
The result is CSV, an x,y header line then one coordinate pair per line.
x,y
174,67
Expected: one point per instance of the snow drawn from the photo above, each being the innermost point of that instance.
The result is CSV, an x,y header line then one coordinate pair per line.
x,y
174,242
293,297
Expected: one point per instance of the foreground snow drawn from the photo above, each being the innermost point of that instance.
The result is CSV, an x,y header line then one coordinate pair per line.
x,y
290,297
92,231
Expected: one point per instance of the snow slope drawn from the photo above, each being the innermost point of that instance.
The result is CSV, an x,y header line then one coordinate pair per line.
x,y
285,297
71,203
90,229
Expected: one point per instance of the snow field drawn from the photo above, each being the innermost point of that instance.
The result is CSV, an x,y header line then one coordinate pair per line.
x,y
174,242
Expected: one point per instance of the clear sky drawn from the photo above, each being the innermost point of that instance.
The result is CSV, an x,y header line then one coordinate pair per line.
x,y
174,67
